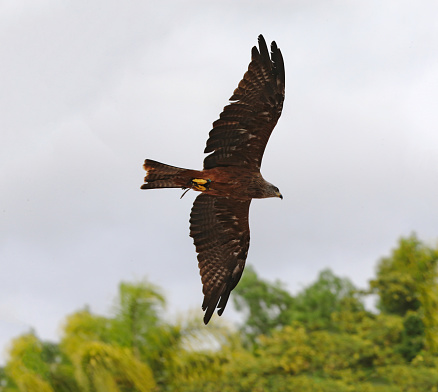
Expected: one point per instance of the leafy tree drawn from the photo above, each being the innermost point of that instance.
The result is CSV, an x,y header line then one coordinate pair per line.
x,y
166,348
265,305
321,339
102,367
26,366
317,302
407,282
412,337
137,314
268,306
106,351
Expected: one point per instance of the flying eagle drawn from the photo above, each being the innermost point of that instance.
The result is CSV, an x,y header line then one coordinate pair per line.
x,y
231,176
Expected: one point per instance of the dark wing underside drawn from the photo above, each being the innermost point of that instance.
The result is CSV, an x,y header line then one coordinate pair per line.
x,y
220,231
240,135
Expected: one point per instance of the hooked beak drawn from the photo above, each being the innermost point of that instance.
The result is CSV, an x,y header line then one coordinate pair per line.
x,y
280,195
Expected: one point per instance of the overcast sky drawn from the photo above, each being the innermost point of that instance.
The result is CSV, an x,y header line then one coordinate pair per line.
x,y
89,89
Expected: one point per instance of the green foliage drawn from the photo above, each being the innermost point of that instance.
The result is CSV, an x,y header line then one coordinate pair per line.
x,y
322,339
407,282
412,338
269,306
26,366
316,303
397,278
264,304
410,378
137,312
106,352
101,367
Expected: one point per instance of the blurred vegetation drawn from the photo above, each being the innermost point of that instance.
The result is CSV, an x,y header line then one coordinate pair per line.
x,y
321,340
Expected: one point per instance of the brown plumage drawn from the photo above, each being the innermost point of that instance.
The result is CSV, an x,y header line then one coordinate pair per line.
x,y
231,176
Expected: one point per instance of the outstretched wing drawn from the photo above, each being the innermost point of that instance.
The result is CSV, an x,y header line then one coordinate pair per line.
x,y
240,135
220,231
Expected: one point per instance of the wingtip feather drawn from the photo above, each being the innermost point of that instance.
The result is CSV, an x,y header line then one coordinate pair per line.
x,y
277,59
264,53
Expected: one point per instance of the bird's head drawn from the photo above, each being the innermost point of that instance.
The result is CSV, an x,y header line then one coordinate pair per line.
x,y
273,191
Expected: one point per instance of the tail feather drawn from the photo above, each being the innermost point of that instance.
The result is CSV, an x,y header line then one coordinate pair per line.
x,y
159,175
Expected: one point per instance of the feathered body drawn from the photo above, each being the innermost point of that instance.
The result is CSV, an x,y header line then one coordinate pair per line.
x,y
231,181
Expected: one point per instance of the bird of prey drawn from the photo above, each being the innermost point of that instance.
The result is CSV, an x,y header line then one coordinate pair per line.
x,y
231,176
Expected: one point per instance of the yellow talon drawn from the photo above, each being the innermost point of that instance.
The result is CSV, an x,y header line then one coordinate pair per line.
x,y
200,184
200,181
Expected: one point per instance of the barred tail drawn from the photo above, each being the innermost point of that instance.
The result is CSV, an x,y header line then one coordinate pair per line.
x,y
159,175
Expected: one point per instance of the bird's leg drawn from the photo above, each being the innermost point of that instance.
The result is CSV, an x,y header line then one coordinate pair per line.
x,y
198,184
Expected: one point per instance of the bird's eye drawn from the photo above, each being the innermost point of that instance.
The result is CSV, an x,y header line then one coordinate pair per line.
x,y
277,190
